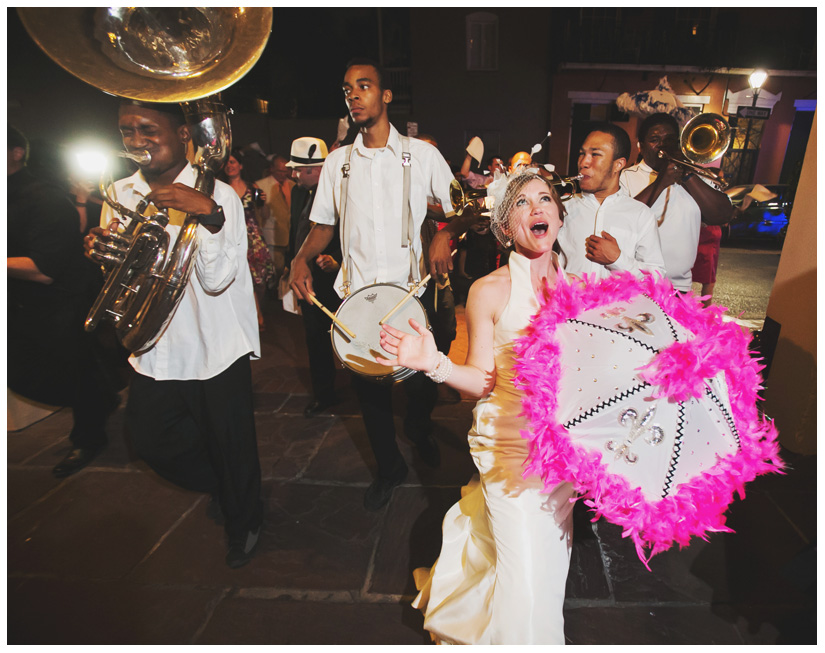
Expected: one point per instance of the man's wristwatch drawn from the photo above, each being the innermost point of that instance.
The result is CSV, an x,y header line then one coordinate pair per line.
x,y
214,219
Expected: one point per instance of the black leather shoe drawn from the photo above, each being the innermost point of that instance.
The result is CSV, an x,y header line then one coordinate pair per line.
x,y
242,549
316,407
429,452
76,460
380,491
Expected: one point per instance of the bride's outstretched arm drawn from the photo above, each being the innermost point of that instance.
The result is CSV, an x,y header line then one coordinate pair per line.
x,y
478,375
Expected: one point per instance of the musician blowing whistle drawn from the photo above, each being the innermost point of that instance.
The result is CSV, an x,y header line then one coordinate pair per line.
x,y
190,413
361,192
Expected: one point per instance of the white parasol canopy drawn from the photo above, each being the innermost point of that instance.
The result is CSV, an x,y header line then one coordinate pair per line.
x,y
646,402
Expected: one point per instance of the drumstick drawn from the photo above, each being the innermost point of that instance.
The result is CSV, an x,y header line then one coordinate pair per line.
x,y
332,316
404,300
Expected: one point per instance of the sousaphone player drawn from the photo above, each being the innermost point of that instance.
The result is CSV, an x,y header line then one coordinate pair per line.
x,y
190,413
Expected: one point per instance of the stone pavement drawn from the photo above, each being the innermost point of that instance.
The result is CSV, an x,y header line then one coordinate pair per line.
x,y
115,555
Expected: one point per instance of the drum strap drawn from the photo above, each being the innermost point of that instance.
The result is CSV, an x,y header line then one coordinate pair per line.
x,y
345,259
407,234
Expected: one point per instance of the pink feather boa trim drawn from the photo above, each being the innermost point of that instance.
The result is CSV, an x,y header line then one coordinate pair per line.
x,y
678,372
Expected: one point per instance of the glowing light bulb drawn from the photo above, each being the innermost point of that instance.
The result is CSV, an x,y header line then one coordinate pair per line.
x,y
757,78
91,161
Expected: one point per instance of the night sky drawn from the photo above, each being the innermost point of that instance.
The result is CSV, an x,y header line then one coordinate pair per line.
x,y
301,68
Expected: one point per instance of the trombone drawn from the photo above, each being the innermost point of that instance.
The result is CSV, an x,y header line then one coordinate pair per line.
x,y
703,139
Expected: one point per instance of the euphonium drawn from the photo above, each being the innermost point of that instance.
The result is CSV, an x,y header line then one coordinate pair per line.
x,y
155,54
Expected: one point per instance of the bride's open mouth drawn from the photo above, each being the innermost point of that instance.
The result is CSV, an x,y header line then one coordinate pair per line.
x,y
540,228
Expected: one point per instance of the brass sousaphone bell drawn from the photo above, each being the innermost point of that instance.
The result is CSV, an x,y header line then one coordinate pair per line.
x,y
155,54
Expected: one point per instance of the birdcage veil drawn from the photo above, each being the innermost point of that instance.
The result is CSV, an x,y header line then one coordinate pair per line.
x,y
504,191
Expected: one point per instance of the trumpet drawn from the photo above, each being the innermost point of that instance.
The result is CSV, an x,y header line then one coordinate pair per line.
x,y
561,182
703,139
461,199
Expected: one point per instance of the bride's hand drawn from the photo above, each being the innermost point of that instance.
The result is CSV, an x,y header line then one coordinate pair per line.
x,y
417,352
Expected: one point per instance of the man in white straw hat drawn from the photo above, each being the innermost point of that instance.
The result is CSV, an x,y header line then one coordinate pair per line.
x,y
306,158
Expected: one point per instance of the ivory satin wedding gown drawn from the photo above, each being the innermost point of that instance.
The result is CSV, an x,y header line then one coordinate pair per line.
x,y
501,575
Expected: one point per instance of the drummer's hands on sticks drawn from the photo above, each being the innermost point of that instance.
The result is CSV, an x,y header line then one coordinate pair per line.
x,y
415,352
441,256
300,279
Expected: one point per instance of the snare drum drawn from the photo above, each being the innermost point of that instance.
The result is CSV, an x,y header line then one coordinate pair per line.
x,y
361,312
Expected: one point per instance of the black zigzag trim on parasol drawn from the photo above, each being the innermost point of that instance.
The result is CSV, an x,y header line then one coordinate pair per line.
x,y
667,318
618,333
677,449
590,412
728,416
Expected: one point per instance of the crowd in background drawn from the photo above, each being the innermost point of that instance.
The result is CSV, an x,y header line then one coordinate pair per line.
x,y
264,183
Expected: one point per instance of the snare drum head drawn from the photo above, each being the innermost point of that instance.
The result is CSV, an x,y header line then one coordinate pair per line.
x,y
361,312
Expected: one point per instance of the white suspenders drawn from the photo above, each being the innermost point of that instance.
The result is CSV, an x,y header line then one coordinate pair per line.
x,y
407,229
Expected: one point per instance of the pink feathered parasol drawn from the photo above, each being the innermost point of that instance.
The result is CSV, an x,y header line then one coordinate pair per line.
x,y
646,402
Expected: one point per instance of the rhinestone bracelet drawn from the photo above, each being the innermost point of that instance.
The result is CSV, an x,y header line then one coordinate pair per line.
x,y
442,371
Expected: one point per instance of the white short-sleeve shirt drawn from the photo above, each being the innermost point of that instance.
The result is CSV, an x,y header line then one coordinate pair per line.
x,y
373,220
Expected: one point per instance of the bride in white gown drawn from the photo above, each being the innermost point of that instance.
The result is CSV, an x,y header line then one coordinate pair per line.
x,y
505,553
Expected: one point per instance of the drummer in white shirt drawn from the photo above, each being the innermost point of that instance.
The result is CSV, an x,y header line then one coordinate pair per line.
x,y
378,252
680,200
605,230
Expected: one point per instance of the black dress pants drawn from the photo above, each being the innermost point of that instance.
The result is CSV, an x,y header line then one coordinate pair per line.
x,y
319,343
200,435
56,364
375,399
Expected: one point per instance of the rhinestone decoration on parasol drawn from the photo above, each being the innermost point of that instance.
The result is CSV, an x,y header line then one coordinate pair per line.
x,y
646,402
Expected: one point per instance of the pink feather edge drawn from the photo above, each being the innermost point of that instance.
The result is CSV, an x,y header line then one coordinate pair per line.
x,y
678,372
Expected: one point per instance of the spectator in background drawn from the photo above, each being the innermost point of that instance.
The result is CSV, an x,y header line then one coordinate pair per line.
x,y
707,260
277,186
306,159
51,358
478,178
520,161
477,257
257,254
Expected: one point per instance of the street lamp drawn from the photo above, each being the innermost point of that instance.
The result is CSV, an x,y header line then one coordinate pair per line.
x,y
756,79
